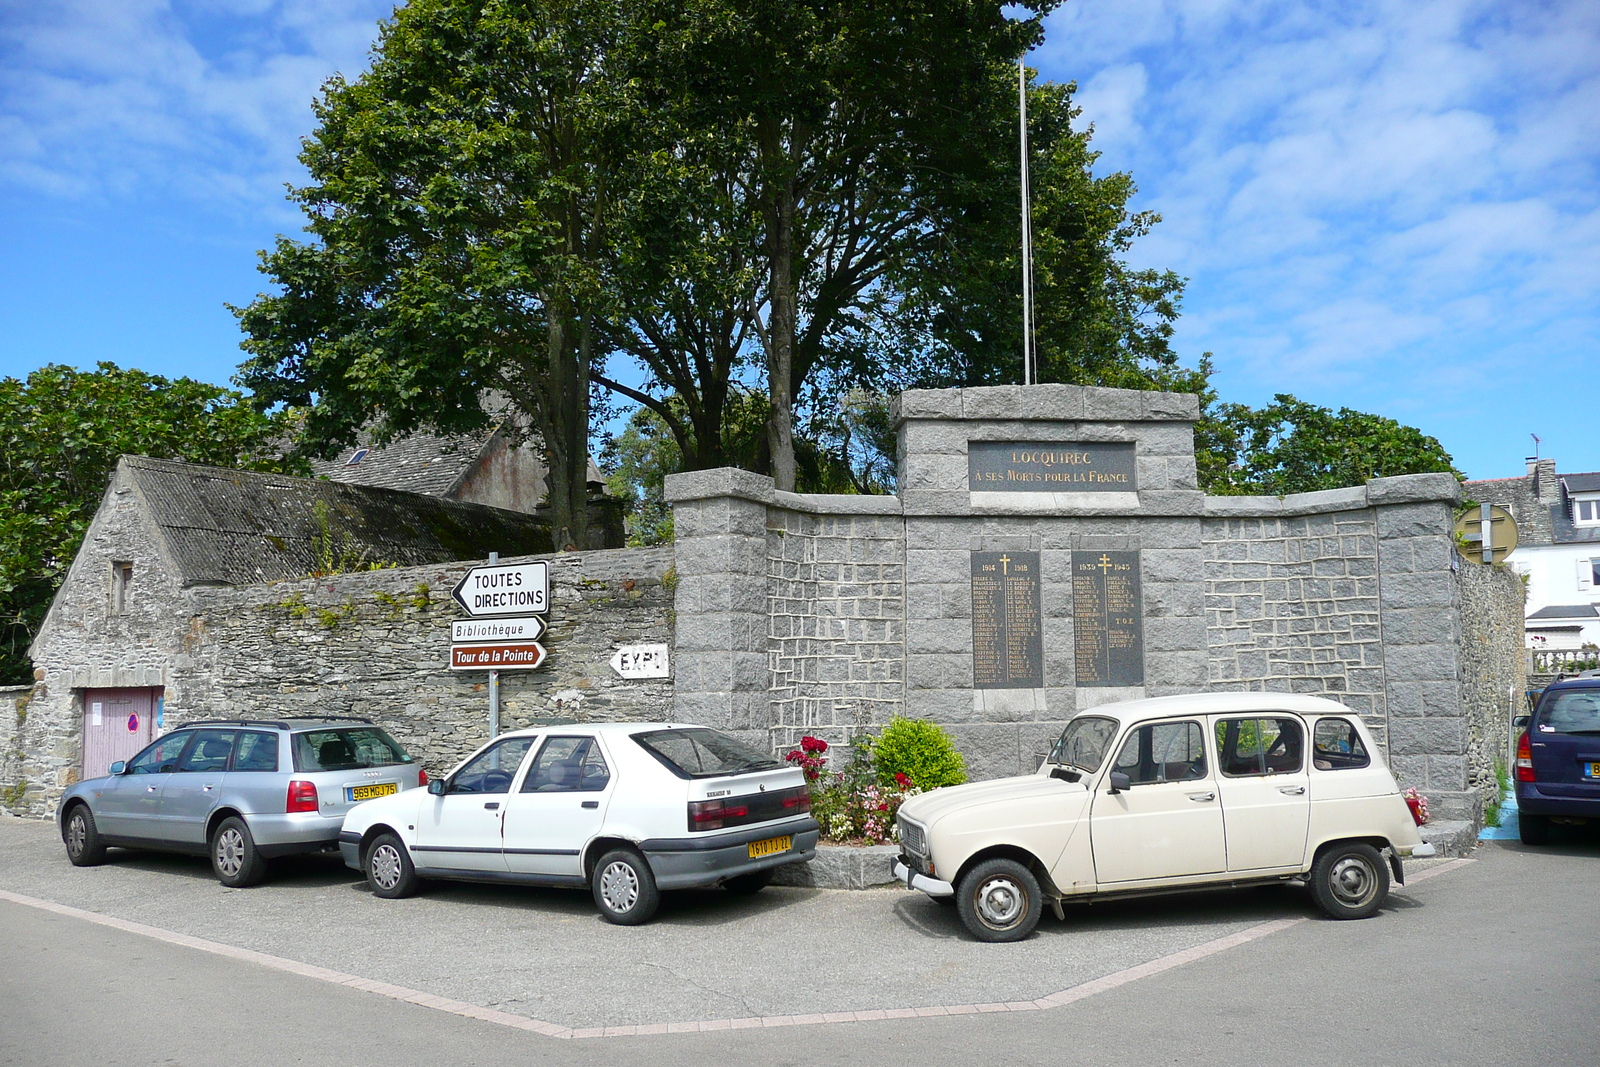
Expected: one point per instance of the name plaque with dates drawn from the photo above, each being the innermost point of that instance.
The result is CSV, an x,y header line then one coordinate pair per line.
x,y
1007,625
1107,623
1051,467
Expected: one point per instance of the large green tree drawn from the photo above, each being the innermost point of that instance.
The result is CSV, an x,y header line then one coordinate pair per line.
x,y
462,191
1291,446
61,431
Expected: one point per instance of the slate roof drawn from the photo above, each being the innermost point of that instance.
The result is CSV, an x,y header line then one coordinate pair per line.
x,y
1539,523
421,463
228,527
1567,611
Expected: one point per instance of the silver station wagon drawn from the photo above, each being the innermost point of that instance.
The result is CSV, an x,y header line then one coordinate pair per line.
x,y
1172,793
242,791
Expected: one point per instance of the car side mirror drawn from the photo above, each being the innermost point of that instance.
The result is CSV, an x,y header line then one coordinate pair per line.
x,y
119,767
1119,781
436,787
1521,722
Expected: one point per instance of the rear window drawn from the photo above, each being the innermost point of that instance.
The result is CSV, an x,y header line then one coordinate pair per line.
x,y
1570,711
346,748
703,753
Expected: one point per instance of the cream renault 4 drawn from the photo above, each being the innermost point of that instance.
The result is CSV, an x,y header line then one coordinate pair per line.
x,y
626,809
1172,793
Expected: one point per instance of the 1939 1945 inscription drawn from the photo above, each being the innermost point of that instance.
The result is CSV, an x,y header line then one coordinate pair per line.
x,y
1007,626
1051,467
1107,621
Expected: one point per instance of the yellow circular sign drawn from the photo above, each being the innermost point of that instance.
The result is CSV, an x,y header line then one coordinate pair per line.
x,y
1486,533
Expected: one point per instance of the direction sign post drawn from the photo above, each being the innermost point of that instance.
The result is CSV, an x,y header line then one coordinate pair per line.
x,y
522,656
469,631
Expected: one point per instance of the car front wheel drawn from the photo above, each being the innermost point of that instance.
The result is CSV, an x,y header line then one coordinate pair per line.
x,y
624,888
82,837
1350,881
390,872
999,900
234,856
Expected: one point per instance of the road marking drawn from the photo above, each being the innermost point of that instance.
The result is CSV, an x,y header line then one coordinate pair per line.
x,y
1059,999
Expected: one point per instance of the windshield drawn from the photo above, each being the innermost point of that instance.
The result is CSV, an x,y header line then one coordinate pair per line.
x,y
703,753
1084,742
1571,711
346,748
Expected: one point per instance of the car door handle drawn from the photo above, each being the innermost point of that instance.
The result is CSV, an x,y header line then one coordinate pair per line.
x,y
149,789
1292,790
1201,798
591,803
208,788
492,805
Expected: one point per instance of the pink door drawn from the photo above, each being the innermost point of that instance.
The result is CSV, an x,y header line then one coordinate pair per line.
x,y
117,723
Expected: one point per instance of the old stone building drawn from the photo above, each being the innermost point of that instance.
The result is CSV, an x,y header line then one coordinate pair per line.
x,y
1048,550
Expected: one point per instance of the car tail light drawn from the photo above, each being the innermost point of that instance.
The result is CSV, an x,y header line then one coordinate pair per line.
x,y
795,803
422,778
1524,760
302,796
715,814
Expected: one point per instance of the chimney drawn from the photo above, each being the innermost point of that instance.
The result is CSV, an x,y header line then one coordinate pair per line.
x,y
1545,486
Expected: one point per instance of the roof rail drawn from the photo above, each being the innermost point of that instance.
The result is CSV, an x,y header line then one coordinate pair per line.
x,y
329,718
233,722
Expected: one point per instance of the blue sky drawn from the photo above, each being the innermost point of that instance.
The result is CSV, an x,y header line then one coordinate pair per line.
x,y
1393,206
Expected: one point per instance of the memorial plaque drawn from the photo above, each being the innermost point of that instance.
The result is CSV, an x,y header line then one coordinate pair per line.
x,y
1051,467
1007,627
1107,623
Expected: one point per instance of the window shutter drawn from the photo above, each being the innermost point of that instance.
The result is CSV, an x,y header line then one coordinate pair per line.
x,y
1586,568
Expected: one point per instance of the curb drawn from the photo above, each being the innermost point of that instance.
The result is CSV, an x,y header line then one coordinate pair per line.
x,y
1451,837
842,867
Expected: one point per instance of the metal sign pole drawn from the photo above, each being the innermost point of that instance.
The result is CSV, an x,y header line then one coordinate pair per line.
x,y
494,681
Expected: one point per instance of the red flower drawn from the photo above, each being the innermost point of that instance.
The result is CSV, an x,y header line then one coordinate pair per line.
x,y
813,744
902,779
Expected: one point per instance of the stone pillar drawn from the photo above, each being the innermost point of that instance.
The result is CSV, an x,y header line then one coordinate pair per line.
x,y
1420,618
720,662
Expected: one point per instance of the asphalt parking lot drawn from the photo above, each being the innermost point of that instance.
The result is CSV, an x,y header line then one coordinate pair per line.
x,y
546,955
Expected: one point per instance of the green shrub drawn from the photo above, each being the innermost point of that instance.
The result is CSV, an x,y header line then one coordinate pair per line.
x,y
921,751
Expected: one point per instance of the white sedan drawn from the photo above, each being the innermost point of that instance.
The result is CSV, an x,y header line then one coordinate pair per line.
x,y
626,809
1172,793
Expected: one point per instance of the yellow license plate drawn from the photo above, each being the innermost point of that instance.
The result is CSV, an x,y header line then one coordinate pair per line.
x,y
771,846
367,792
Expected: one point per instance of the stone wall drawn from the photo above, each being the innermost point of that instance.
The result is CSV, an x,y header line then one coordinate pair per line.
x,y
372,644
1494,673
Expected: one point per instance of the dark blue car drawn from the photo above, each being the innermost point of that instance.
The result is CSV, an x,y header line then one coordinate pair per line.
x,y
1558,759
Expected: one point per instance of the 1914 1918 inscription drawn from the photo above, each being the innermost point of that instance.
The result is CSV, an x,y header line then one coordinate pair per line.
x,y
1106,619
1051,467
1007,629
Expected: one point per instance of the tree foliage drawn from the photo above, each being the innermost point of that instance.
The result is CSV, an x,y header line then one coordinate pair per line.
x,y
1291,446
61,431
462,190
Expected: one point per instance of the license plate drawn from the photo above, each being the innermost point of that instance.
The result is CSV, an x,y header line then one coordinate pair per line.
x,y
367,792
1592,770
770,847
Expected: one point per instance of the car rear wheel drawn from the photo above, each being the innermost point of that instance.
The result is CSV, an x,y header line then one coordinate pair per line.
x,y
1533,829
1350,881
390,872
624,888
82,837
234,856
999,900
746,884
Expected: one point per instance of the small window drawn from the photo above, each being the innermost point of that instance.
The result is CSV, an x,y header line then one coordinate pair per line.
x,y
1586,511
256,751
1163,752
121,581
568,765
1247,747
1336,746
491,770
359,455
209,753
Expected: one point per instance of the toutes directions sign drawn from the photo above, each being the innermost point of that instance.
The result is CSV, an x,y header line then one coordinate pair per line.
x,y
512,589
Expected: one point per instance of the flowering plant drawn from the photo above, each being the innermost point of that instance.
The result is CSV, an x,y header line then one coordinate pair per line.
x,y
851,804
1418,805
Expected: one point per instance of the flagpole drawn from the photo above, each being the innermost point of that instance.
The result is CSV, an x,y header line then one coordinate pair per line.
x,y
1029,354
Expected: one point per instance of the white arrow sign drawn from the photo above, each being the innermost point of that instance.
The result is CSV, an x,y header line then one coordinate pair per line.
x,y
641,661
468,631
508,589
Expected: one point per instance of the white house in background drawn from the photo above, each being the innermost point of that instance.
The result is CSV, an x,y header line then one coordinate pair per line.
x,y
1558,549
